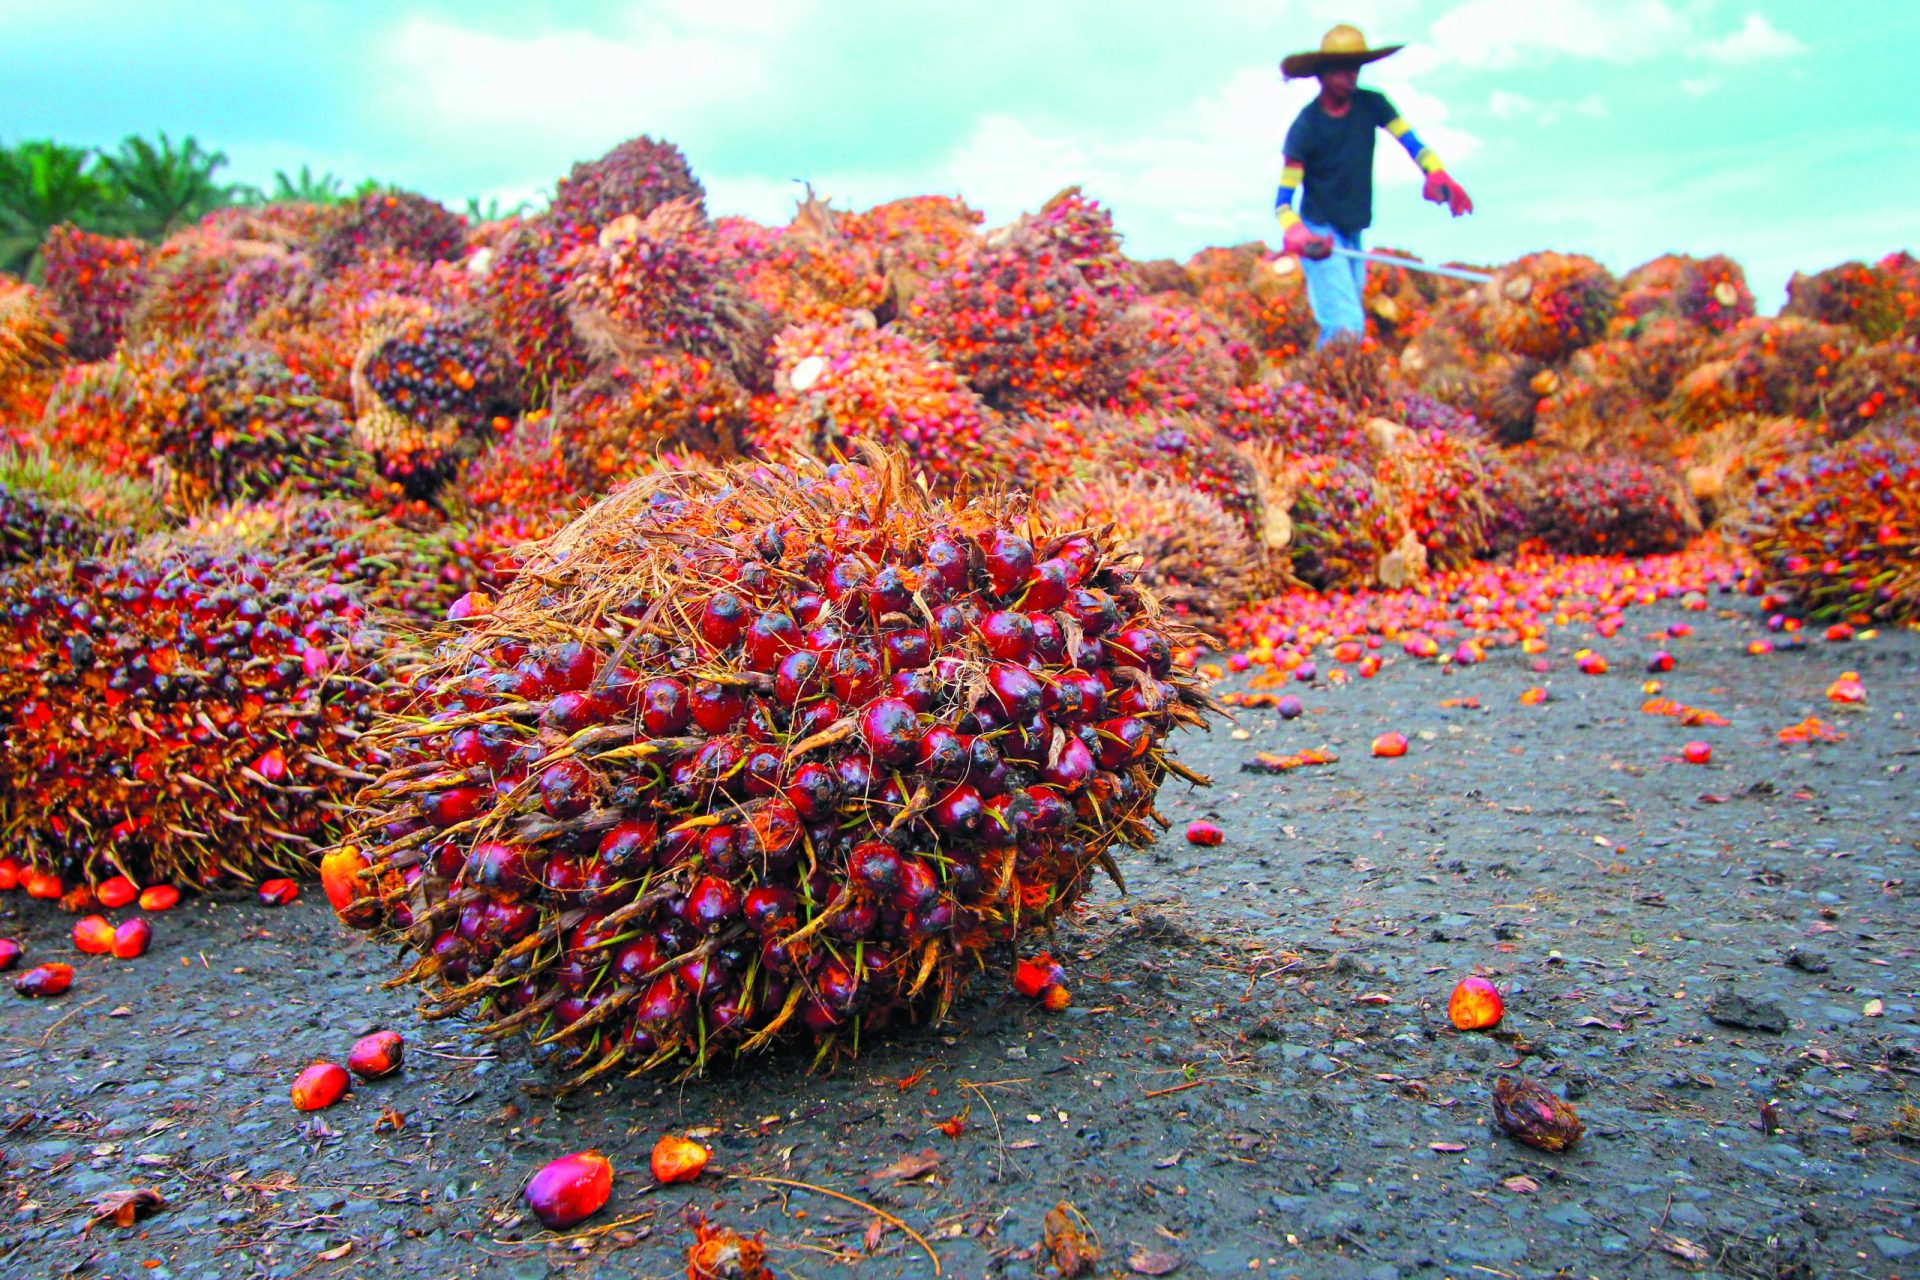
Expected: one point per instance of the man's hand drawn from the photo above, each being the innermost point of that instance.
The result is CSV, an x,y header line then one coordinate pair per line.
x,y
1442,189
1302,243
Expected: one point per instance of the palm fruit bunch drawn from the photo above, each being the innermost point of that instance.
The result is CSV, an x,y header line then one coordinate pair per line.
x,y
428,391
657,283
256,286
611,425
1340,525
635,177
1022,326
1447,358
61,507
1356,372
1608,505
1548,305
521,292
1303,418
1179,447
236,422
1838,531
1509,394
1081,232
814,270
1595,403
1874,384
839,386
33,342
915,239
189,711
1710,292
109,413
290,224
1194,556
1255,297
1659,351
1435,484
397,224
1396,305
1764,366
526,473
755,753
1422,413
1881,301
186,278
93,281
1724,463
1174,359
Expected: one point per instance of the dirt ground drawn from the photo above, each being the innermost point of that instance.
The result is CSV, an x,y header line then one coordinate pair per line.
x,y
1257,1073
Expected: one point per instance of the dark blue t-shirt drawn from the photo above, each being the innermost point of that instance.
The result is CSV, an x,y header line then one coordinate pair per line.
x,y
1337,156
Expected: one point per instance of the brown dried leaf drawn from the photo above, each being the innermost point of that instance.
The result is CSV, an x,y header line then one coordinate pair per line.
x,y
1680,1247
1070,1242
123,1208
1154,1262
1520,1184
336,1253
917,1165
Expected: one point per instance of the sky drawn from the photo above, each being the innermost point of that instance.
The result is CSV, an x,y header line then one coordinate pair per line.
x,y
1777,131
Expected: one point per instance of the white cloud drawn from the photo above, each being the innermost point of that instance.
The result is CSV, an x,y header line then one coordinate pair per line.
x,y
1502,105
1757,40
1498,33
1699,86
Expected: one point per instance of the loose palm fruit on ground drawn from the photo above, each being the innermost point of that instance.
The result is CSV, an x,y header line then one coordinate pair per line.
x,y
50,979
376,1055
678,1159
131,938
93,935
758,752
320,1085
571,1189
1475,1005
10,952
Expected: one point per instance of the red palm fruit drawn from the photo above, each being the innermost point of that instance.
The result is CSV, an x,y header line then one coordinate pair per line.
x,y
875,867
711,904
919,886
853,675
1204,833
1009,562
891,730
1144,648
959,811
768,639
907,649
1475,1004
677,1159
1008,635
799,675
50,979
10,872
767,907
376,1055
93,935
1390,745
500,867
942,752
716,708
320,1085
278,892
1035,975
340,870
116,892
570,1190
1697,752
10,953
1075,697
629,847
566,789
41,884
635,962
813,790
1072,768
131,938
918,689
1015,688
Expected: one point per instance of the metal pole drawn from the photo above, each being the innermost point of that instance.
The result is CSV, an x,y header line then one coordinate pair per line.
x,y
1388,260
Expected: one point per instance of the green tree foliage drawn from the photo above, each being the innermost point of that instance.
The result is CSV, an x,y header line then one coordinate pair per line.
x,y
306,187
158,189
43,184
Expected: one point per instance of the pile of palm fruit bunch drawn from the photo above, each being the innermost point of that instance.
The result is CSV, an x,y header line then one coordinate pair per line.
x,y
32,343
1837,532
762,754
1608,505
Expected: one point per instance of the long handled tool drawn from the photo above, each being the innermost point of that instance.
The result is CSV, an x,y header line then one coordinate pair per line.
x,y
1389,260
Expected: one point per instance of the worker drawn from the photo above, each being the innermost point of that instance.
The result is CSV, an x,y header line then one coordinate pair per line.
x,y
1329,148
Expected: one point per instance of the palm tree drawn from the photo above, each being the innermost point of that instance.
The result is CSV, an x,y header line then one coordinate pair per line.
x,y
43,184
161,188
307,188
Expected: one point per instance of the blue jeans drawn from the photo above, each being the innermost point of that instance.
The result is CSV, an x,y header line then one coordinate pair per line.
x,y
1335,286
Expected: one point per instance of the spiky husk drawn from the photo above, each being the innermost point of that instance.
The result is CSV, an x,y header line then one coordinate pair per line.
x,y
1396,301
1881,301
1764,366
841,385
1548,305
33,342
397,224
636,177
1839,530
1435,485
1608,505
658,284
573,858
259,285
429,392
186,280
93,281
1195,556
610,426
1023,327
1723,464
1709,292
189,711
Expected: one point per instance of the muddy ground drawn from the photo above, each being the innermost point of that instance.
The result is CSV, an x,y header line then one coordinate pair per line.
x,y
1257,1073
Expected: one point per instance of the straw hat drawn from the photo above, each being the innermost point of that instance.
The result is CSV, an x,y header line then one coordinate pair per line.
x,y
1342,46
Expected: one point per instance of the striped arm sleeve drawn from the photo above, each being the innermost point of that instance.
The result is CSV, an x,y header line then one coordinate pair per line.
x,y
1283,209
1422,154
